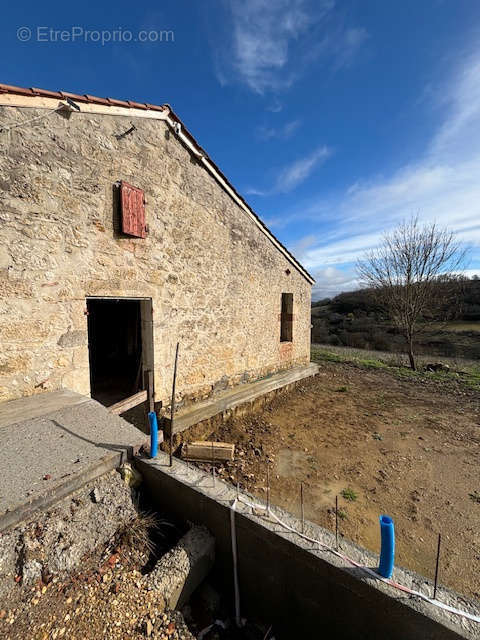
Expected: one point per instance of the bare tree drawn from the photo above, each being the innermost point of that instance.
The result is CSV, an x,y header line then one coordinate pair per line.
x,y
414,276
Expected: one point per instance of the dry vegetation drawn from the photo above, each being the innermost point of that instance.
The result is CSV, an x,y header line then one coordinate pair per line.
x,y
113,596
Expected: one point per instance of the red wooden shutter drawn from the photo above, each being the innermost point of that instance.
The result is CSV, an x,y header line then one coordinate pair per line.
x,y
133,210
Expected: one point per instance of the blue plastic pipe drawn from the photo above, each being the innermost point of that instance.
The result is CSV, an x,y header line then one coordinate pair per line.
x,y
152,417
387,551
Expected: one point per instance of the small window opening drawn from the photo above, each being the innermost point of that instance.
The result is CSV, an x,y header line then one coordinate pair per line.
x,y
286,318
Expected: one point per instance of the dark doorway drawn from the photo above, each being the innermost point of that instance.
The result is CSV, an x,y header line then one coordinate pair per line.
x,y
118,347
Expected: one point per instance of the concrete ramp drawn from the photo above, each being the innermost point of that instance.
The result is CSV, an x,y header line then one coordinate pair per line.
x,y
52,444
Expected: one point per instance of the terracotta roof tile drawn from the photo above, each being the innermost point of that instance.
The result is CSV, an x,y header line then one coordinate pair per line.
x,y
118,103
7,88
154,107
35,91
137,105
74,96
47,94
96,100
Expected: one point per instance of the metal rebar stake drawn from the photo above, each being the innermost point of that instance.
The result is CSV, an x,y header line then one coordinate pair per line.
x,y
172,404
268,489
302,507
436,567
213,465
336,521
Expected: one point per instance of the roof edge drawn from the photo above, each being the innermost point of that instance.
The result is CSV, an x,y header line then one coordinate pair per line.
x,y
242,202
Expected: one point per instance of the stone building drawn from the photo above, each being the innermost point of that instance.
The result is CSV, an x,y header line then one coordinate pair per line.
x,y
119,238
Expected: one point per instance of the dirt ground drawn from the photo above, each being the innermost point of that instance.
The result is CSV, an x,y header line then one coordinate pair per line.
x,y
402,447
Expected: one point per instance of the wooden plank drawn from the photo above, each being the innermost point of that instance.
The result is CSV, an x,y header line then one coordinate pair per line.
x,y
38,102
208,451
172,404
128,403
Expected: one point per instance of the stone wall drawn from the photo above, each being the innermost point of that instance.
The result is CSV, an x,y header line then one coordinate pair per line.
x,y
214,278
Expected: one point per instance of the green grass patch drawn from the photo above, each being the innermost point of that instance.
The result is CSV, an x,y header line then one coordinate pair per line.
x,y
330,356
455,325
462,371
472,379
319,354
349,494
343,389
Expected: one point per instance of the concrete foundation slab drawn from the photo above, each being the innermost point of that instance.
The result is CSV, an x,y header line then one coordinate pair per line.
x,y
76,527
230,399
52,444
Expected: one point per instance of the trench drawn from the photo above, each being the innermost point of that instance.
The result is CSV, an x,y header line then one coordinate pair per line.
x,y
208,608
205,602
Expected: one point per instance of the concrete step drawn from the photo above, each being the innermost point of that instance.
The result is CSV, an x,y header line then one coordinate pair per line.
x,y
235,397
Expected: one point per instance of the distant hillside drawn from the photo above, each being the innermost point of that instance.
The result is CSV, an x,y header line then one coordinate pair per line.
x,y
354,320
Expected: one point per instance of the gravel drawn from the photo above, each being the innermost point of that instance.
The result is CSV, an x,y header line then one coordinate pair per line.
x,y
110,601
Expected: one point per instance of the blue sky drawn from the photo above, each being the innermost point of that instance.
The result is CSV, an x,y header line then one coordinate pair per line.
x,y
335,120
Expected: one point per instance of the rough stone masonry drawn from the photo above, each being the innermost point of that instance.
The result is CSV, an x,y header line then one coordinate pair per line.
x,y
215,279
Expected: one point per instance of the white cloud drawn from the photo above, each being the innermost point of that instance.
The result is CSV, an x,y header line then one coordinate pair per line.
x,y
347,46
302,245
442,185
275,106
295,173
267,34
344,250
460,131
331,281
282,133
262,32
471,272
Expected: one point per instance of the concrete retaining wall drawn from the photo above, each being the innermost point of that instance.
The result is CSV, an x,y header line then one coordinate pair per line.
x,y
304,592
198,423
